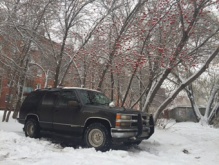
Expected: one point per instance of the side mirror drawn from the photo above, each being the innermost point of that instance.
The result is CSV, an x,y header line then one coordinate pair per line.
x,y
112,104
73,104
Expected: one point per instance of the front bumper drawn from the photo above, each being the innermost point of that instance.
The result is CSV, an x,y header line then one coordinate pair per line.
x,y
143,130
130,133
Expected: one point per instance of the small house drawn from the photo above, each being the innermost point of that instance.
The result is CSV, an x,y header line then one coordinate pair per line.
x,y
182,113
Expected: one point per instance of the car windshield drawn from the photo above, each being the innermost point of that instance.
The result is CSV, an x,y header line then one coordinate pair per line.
x,y
95,98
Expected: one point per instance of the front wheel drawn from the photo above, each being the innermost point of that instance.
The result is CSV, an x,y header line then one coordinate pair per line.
x,y
97,136
31,128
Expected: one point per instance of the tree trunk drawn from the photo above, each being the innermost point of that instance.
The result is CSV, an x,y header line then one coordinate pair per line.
x,y
140,91
195,108
8,115
210,101
4,115
21,88
154,89
10,101
129,86
59,62
118,93
213,113
112,86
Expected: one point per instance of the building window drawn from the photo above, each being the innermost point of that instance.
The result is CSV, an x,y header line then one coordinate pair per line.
x,y
8,98
39,73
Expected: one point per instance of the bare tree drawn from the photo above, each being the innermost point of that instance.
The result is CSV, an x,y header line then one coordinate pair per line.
x,y
186,83
69,14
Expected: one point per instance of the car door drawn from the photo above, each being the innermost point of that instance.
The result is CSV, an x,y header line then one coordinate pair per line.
x,y
46,110
67,111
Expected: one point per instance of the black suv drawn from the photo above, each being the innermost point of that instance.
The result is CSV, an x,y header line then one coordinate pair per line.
x,y
84,114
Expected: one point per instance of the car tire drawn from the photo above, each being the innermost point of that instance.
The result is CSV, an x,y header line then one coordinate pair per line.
x,y
97,136
32,128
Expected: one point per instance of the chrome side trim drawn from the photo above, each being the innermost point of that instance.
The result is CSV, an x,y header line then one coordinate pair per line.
x,y
45,122
70,125
129,121
126,121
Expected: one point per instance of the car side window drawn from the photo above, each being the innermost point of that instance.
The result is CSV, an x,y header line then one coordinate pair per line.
x,y
67,96
95,98
85,97
33,99
50,98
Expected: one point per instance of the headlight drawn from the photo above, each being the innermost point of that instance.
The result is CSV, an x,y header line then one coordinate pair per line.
x,y
121,124
123,117
123,120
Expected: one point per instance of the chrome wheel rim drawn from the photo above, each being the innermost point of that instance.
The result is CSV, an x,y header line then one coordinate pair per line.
x,y
95,137
30,130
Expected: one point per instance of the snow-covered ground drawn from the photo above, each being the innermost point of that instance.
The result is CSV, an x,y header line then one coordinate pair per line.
x,y
179,144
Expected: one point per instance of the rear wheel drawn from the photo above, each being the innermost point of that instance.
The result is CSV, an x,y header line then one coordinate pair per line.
x,y
32,128
97,136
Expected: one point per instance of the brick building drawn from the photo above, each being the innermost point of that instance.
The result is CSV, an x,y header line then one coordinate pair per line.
x,y
35,77
31,84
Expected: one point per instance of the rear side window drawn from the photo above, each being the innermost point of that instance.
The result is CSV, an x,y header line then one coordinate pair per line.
x,y
50,98
33,99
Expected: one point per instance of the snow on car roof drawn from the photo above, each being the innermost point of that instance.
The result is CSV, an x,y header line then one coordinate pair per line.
x,y
59,88
81,88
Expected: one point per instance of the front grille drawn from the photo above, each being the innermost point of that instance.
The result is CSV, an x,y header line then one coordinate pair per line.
x,y
135,118
134,124
134,121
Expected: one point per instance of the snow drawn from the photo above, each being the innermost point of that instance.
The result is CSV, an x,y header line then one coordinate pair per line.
x,y
178,144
